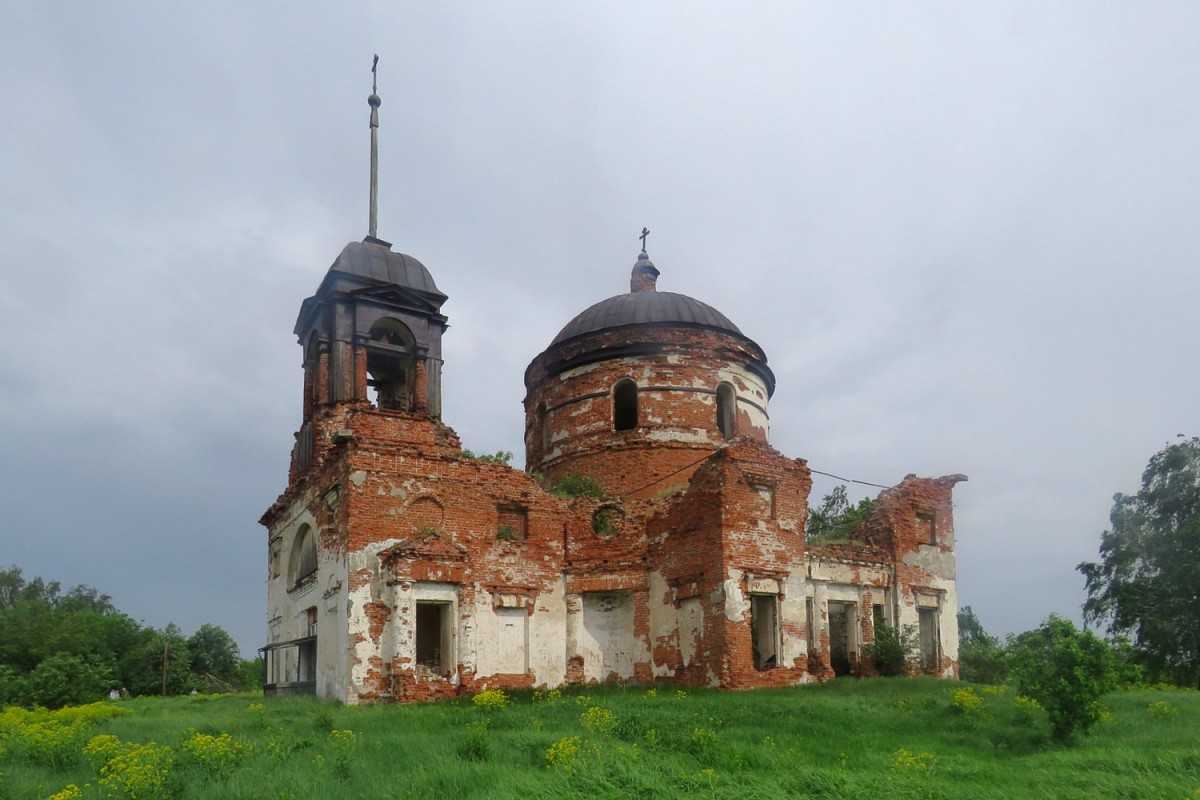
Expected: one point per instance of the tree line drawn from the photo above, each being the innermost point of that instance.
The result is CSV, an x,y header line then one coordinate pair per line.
x,y
68,647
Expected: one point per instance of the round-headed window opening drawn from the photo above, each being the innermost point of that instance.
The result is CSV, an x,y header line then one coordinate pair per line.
x,y
312,347
391,363
608,521
303,560
726,411
543,429
625,405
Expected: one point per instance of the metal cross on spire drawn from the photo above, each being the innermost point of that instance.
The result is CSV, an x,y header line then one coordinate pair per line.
x,y
645,233
374,102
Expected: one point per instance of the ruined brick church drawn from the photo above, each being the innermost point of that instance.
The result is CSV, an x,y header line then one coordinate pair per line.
x,y
402,568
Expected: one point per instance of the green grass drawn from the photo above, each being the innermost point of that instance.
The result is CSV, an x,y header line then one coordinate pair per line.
x,y
884,738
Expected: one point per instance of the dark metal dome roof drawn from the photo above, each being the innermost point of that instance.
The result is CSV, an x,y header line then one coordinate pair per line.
x,y
375,260
645,308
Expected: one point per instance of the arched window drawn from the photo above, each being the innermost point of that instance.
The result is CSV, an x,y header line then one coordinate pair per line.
x,y
391,364
303,561
625,405
543,431
726,411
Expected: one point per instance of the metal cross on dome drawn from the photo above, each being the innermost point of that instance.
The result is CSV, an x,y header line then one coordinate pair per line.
x,y
645,233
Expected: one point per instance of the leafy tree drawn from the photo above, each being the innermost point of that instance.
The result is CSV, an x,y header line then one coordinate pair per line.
x,y
835,518
160,652
65,647
981,657
214,654
250,674
1066,670
13,689
1146,580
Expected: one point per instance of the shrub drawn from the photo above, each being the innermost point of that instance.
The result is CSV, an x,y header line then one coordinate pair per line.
x,y
981,658
1162,710
64,680
499,457
490,700
599,721
982,662
893,648
569,753
342,744
703,741
1066,671
141,772
103,748
1028,709
477,745
218,755
965,701
575,485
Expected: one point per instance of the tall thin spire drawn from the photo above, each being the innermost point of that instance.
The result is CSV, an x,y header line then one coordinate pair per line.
x,y
374,102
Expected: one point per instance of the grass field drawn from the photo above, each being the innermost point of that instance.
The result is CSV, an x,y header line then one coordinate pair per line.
x,y
884,738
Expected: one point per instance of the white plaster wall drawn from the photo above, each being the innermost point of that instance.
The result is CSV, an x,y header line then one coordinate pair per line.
x,y
679,628
605,635
548,638
359,645
737,604
332,673
792,612
748,387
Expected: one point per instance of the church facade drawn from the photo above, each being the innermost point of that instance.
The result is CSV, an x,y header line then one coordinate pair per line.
x,y
656,536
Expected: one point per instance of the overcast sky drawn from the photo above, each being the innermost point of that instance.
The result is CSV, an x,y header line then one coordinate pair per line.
x,y
966,234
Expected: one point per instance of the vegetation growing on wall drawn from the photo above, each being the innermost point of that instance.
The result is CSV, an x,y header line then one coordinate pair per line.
x,y
499,457
573,484
833,521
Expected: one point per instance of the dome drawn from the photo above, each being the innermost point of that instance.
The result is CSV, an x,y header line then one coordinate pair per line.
x,y
645,308
375,260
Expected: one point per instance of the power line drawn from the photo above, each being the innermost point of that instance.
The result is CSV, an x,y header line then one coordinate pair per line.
x,y
848,480
706,456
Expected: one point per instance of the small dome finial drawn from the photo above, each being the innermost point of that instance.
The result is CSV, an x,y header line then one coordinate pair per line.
x,y
645,274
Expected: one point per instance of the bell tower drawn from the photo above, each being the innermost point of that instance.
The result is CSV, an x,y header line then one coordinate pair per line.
x,y
372,332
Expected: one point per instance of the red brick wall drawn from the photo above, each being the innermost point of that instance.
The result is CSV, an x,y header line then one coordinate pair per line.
x,y
677,376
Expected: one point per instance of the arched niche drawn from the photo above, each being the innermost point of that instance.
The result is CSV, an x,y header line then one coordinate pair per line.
x,y
302,562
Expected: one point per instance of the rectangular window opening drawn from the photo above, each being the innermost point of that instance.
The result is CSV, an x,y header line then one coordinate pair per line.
x,y
764,630
307,651
435,643
810,621
927,527
513,523
930,637
843,639
879,615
